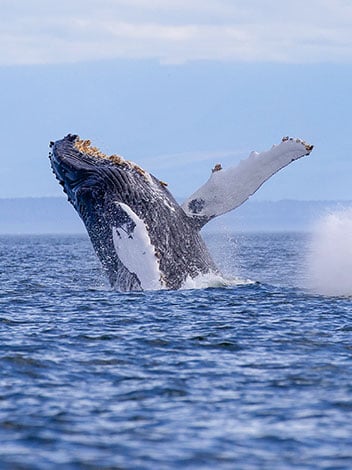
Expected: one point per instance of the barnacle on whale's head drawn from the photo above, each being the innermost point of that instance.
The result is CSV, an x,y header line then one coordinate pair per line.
x,y
85,147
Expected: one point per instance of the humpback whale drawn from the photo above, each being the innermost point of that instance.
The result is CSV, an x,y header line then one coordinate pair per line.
x,y
144,239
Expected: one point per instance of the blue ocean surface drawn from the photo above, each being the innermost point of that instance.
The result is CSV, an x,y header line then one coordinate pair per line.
x,y
255,375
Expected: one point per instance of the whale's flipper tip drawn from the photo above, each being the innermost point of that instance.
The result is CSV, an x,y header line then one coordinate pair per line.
x,y
307,146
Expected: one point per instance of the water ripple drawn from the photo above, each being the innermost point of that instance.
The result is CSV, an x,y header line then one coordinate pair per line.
x,y
248,376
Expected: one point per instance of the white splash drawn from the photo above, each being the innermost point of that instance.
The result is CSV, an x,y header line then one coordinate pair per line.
x,y
137,253
330,256
204,281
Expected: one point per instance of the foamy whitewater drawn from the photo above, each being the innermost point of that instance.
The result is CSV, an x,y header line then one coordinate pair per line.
x,y
329,261
204,281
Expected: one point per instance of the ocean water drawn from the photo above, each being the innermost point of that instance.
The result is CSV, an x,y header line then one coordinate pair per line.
x,y
255,375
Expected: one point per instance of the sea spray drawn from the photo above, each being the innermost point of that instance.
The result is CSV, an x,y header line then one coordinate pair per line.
x,y
206,281
330,255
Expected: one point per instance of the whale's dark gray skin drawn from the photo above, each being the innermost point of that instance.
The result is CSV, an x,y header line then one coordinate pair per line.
x,y
142,236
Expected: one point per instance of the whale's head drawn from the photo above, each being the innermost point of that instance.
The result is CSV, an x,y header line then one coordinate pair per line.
x,y
79,171
90,177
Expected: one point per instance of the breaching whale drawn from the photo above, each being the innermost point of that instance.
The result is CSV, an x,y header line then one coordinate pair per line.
x,y
144,239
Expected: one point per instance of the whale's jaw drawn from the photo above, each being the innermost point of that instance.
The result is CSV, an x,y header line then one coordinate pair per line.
x,y
141,235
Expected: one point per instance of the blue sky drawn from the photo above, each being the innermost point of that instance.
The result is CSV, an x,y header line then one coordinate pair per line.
x,y
177,86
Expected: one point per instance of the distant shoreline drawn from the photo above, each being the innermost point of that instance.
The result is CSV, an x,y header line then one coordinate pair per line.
x,y
54,215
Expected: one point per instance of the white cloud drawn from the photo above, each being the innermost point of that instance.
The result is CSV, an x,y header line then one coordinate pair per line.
x,y
175,31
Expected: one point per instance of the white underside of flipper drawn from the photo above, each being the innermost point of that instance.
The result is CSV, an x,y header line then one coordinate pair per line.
x,y
136,251
228,189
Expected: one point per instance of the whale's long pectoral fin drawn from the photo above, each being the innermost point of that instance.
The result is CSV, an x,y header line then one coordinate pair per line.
x,y
227,189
